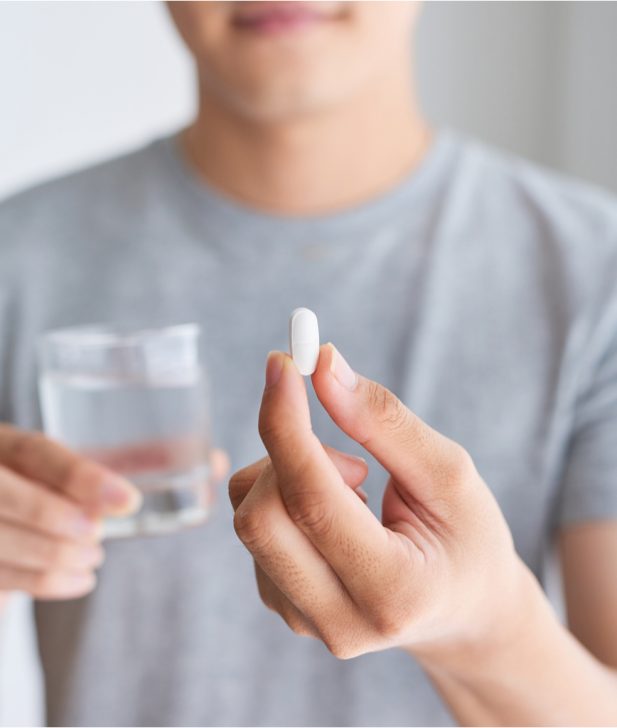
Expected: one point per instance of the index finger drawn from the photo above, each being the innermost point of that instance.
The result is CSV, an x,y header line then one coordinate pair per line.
x,y
339,525
95,488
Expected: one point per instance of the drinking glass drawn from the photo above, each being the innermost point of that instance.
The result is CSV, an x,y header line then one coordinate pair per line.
x,y
135,401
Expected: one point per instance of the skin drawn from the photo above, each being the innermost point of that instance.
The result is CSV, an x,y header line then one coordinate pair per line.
x,y
438,576
52,502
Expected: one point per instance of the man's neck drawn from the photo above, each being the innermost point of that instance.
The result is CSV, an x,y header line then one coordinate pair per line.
x,y
320,163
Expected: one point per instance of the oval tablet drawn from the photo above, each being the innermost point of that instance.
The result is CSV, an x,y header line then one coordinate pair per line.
x,y
304,340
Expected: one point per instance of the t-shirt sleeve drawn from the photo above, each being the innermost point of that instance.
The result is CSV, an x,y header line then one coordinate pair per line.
x,y
589,484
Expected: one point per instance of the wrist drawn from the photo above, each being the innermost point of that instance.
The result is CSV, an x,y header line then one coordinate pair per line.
x,y
496,635
529,670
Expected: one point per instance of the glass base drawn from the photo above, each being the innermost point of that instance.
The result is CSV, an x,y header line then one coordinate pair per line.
x,y
171,502
152,523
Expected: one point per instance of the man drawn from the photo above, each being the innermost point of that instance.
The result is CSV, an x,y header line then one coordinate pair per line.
x,y
478,289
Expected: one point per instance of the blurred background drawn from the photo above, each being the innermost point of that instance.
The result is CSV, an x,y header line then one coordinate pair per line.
x,y
82,81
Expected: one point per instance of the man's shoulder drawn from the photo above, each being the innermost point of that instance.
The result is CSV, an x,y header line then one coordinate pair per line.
x,y
119,182
535,227
567,211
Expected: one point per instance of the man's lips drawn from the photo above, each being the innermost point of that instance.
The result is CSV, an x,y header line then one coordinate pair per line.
x,y
274,17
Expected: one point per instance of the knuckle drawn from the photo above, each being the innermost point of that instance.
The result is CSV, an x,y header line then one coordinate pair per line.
x,y
268,428
243,480
295,621
460,467
387,623
303,629
244,523
310,512
273,433
237,487
341,648
267,602
387,409
24,446
250,527
393,611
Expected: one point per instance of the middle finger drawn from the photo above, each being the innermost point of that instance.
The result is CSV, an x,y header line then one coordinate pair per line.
x,y
287,555
28,549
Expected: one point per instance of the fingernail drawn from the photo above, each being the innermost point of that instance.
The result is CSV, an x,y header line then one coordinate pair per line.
x,y
91,556
117,492
274,367
341,370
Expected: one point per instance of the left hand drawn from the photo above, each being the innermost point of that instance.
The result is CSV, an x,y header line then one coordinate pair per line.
x,y
439,571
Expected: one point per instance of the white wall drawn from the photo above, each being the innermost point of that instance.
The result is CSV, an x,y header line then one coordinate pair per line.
x,y
588,103
537,78
79,81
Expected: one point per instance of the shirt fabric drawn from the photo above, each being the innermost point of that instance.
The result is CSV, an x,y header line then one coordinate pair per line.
x,y
481,290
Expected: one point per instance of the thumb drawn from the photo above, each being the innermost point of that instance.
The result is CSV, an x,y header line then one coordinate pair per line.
x,y
418,457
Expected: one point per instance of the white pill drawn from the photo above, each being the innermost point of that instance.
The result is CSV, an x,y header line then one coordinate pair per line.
x,y
304,340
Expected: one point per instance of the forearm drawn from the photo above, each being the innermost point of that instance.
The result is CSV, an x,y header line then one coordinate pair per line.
x,y
534,674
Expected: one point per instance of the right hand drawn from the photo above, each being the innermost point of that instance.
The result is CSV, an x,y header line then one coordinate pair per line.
x,y
51,505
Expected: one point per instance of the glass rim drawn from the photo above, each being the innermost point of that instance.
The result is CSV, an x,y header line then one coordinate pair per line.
x,y
118,335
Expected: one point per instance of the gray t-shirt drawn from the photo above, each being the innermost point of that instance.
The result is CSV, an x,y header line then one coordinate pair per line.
x,y
481,290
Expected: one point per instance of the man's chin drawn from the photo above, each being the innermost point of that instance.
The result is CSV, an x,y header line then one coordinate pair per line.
x,y
281,107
